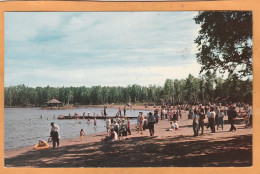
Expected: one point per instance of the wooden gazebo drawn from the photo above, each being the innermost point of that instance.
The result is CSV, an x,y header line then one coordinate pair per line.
x,y
54,103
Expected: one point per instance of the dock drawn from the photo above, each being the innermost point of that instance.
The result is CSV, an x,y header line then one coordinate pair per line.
x,y
62,117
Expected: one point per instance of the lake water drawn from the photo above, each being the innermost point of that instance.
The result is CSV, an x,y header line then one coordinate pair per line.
x,y
23,126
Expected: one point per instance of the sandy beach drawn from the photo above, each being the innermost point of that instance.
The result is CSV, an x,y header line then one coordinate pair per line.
x,y
164,149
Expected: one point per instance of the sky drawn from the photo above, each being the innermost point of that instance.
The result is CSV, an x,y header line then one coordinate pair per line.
x,y
99,48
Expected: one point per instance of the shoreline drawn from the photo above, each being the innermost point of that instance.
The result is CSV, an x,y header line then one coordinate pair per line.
x,y
165,149
70,141
66,142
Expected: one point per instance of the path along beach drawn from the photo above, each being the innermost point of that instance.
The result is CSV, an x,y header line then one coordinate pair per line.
x,y
165,149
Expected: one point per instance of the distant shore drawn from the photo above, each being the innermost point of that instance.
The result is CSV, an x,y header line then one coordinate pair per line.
x,y
115,106
134,107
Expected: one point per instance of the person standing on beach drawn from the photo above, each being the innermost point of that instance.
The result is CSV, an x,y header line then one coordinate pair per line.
x,y
168,114
108,123
82,133
141,122
251,117
201,119
232,114
55,135
177,113
151,121
180,113
195,118
138,122
156,116
221,119
128,126
212,120
208,116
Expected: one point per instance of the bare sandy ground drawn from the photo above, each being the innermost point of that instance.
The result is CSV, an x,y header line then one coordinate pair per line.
x,y
164,149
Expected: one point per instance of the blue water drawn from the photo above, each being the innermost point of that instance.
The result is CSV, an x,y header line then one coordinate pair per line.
x,y
23,126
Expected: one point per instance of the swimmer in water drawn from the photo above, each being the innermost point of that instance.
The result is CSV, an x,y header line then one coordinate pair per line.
x,y
95,121
88,120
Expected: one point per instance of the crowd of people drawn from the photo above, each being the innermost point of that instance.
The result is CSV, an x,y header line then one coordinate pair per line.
x,y
116,128
215,115
119,127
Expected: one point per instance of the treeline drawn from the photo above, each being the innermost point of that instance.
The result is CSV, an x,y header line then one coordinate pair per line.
x,y
190,90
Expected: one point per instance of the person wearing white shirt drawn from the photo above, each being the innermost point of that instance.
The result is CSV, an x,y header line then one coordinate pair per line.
x,y
172,126
208,116
55,135
108,123
221,119
212,120
114,135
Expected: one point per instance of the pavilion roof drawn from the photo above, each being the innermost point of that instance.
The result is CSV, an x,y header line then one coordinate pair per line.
x,y
53,101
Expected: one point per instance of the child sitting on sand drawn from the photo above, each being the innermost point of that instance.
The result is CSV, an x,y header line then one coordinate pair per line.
x,y
176,125
172,127
82,133
112,137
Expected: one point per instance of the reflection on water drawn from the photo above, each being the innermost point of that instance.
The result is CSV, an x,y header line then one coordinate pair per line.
x,y
24,127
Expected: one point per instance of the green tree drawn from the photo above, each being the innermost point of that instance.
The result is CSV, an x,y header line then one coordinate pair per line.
x,y
68,95
168,90
209,86
225,42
